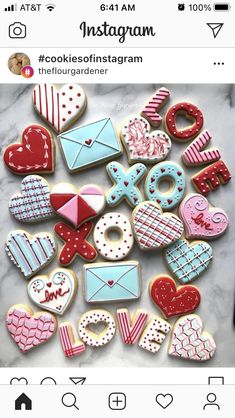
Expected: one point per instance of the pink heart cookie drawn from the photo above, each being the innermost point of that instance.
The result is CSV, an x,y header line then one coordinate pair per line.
x,y
200,220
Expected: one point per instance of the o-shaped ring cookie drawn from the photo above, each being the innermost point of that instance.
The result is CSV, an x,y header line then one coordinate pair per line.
x,y
94,317
113,250
189,111
166,171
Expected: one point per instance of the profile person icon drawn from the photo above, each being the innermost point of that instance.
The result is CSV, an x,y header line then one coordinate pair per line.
x,y
211,398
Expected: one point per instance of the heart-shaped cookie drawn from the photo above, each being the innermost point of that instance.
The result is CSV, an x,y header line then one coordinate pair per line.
x,y
77,206
200,220
29,330
60,108
154,229
188,261
189,342
30,253
35,154
54,293
141,145
33,204
171,300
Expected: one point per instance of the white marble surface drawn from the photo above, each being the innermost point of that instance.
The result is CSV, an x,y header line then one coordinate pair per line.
x,y
216,285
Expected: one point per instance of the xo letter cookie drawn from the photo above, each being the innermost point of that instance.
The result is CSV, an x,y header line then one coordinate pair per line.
x,y
108,248
150,112
60,108
33,203
143,146
94,317
189,341
29,330
154,334
30,253
131,328
35,153
125,184
56,292
194,155
154,229
211,177
171,173
188,261
173,301
200,220
70,345
190,112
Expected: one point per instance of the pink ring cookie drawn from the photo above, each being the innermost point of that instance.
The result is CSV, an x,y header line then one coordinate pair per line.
x,y
189,111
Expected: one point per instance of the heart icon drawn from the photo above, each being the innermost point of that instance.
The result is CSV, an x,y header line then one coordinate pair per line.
x,y
164,400
35,154
33,204
29,330
153,229
60,108
200,220
189,342
63,287
141,145
173,301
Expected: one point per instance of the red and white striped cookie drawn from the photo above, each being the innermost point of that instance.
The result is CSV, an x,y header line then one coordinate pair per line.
x,y
131,328
150,112
194,155
71,346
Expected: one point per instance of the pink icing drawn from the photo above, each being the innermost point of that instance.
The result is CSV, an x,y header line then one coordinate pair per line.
x,y
70,210
91,190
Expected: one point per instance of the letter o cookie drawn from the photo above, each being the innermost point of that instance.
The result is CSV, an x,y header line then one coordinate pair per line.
x,y
94,317
190,112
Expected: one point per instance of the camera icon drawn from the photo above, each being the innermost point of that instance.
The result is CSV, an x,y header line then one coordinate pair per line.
x,y
17,30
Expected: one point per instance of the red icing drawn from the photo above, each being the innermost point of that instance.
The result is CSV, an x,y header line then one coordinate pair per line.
x,y
211,177
190,111
199,220
84,210
49,296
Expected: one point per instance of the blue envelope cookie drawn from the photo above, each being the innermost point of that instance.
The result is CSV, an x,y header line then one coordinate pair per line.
x,y
90,144
111,282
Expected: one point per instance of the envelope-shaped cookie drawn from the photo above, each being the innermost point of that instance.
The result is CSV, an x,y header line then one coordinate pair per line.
x,y
90,144
111,282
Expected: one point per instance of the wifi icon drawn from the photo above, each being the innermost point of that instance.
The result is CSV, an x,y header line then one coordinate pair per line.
x,y
50,7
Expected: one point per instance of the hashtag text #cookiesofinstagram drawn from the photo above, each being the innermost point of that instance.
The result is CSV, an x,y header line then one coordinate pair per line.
x,y
92,58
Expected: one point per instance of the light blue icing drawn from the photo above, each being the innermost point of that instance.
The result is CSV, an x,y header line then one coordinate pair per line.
x,y
90,144
125,183
166,170
186,261
125,286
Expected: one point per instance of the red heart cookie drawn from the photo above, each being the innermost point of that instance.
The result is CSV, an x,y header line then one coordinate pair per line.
x,y
171,300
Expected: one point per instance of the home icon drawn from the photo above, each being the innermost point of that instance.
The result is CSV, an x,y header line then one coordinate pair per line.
x,y
23,402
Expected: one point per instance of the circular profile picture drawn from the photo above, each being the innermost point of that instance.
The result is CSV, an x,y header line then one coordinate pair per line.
x,y
18,61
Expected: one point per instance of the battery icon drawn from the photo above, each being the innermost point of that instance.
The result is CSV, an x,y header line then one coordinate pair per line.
x,y
222,7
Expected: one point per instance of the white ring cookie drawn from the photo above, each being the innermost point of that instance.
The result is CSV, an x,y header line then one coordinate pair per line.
x,y
94,317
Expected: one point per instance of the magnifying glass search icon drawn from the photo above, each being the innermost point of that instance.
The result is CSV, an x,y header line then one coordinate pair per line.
x,y
69,400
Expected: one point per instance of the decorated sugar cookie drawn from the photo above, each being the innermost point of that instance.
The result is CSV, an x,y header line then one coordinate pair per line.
x,y
71,346
154,334
201,221
35,153
33,203
172,173
125,183
28,330
155,104
173,301
196,155
77,206
60,108
54,293
188,329
190,112
141,144
210,178
131,328
188,261
94,317
30,253
109,249
154,229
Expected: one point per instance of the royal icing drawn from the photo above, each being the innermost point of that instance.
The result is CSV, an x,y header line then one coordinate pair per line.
x,y
200,221
54,293
189,342
188,261
70,345
125,183
30,253
113,250
195,156
166,171
29,330
33,203
150,111
35,154
112,282
90,145
141,145
77,206
211,177
131,327
173,301
189,111
94,317
60,108
154,334
75,243
153,229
